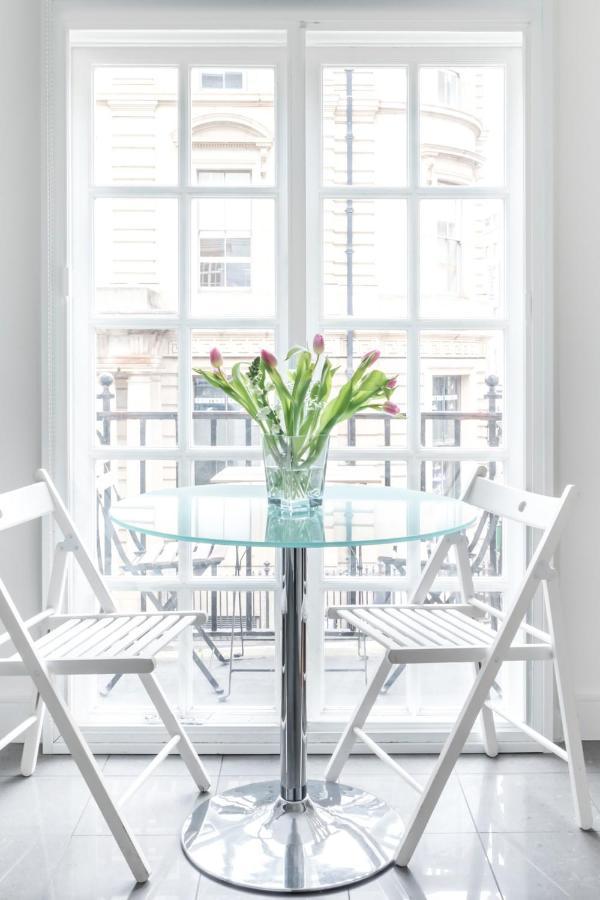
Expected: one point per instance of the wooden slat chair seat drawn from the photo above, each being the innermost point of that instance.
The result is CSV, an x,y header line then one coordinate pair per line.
x,y
447,633
96,644
50,643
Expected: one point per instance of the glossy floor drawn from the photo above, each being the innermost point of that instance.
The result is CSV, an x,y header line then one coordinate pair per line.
x,y
503,828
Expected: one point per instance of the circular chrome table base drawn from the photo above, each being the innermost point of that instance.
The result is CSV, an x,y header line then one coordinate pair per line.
x,y
252,838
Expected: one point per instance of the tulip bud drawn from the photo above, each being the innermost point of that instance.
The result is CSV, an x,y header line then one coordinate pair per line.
x,y
268,359
216,360
371,357
392,383
391,409
318,344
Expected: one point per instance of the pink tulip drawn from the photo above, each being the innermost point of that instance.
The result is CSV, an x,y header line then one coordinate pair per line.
x,y
216,360
268,359
318,344
391,408
371,357
392,383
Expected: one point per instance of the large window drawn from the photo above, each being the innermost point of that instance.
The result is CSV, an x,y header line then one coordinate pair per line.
x,y
183,199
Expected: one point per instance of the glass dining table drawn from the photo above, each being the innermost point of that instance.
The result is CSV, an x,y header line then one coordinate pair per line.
x,y
293,834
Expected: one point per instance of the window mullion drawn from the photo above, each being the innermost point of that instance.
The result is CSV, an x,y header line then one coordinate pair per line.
x,y
185,468
296,184
412,336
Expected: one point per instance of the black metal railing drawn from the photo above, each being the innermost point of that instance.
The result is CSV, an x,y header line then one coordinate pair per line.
x,y
256,606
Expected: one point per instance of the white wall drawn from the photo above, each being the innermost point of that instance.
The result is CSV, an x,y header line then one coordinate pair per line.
x,y
20,205
577,303
577,286
20,162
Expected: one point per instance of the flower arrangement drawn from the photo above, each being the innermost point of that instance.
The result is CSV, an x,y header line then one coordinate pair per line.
x,y
296,411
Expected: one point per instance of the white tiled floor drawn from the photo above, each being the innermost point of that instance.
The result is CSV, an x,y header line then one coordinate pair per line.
x,y
504,828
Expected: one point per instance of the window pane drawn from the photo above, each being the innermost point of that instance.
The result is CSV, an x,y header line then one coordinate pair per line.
x,y
211,246
350,659
450,477
238,275
462,258
462,386
462,125
364,258
238,246
364,125
212,79
368,560
135,125
137,378
371,428
217,419
121,552
135,256
253,682
240,228
233,125
233,80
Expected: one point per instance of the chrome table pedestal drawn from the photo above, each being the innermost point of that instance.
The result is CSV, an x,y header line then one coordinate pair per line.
x,y
292,835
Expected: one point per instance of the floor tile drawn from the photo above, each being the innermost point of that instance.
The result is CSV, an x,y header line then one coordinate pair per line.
x,y
93,868
52,764
368,764
519,802
172,766
41,806
450,815
27,866
213,890
443,866
591,751
548,866
159,807
263,766
510,763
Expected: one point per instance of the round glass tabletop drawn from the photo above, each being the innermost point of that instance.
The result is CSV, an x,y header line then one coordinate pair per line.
x,y
239,514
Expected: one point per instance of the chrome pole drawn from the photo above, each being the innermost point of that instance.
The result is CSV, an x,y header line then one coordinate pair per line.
x,y
293,676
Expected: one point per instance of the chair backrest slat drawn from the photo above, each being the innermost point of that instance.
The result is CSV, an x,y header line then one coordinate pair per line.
x,y
24,505
31,502
534,510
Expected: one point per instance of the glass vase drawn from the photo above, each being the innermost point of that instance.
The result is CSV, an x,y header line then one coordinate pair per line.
x,y
295,471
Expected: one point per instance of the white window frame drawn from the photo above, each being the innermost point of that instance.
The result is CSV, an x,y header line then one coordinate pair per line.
x,y
65,17
511,324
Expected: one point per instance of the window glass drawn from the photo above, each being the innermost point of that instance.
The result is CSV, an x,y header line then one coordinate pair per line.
x,y
462,258
364,125
233,126
462,125
233,257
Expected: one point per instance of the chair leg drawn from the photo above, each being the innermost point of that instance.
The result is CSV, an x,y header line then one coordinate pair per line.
x,y
174,727
31,744
488,727
92,776
566,700
447,760
467,590
359,717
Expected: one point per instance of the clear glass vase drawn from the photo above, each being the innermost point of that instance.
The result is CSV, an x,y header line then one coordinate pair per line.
x,y
295,471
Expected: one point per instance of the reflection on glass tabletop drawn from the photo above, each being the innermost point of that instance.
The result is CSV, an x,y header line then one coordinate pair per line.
x,y
240,514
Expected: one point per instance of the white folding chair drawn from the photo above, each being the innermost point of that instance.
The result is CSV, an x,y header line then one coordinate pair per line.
x,y
450,633
103,643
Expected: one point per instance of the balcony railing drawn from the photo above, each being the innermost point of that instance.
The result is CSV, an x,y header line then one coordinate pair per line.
x,y
254,607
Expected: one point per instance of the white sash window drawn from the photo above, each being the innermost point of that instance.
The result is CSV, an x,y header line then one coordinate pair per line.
x,y
244,190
